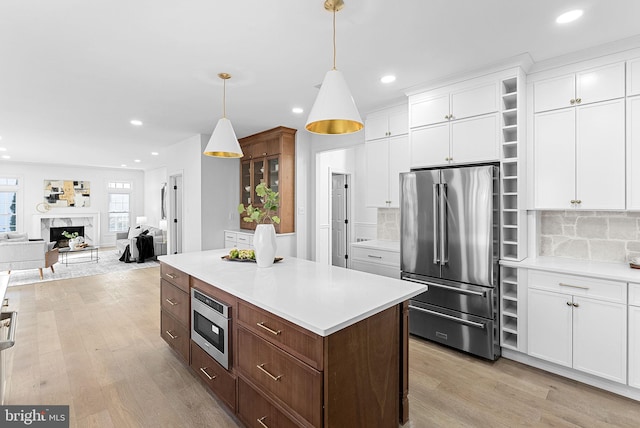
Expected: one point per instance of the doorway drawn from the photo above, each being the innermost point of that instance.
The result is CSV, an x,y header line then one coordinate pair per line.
x,y
340,219
175,214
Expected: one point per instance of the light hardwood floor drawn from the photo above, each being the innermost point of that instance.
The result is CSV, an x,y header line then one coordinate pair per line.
x,y
94,343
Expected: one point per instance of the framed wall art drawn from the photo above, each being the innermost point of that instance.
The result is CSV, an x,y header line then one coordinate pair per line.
x,y
67,193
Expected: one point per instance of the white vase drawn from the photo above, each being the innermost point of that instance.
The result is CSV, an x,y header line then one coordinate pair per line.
x,y
72,244
264,241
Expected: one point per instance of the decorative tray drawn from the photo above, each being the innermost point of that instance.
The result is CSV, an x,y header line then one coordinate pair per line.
x,y
276,260
634,266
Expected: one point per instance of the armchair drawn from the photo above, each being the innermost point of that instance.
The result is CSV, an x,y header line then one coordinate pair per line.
x,y
34,254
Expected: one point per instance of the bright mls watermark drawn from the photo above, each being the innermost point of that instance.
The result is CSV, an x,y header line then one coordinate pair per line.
x,y
34,416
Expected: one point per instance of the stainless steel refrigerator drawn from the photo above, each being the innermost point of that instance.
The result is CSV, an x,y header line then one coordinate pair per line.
x,y
450,242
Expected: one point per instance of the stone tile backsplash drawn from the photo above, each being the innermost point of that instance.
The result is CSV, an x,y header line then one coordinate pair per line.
x,y
610,236
389,223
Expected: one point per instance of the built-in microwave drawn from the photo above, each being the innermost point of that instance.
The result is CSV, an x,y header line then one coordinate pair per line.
x,y
210,325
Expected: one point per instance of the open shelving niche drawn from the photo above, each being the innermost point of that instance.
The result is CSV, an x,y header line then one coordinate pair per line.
x,y
513,219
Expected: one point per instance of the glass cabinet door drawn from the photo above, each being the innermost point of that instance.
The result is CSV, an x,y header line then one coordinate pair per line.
x,y
258,177
246,190
274,174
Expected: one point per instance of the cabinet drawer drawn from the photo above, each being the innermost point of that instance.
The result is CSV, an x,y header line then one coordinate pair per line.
x,y
303,344
612,291
230,236
290,382
253,407
389,258
174,301
175,276
175,334
634,294
378,269
228,244
222,382
244,240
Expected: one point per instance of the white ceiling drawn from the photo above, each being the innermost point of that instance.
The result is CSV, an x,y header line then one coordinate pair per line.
x,y
73,73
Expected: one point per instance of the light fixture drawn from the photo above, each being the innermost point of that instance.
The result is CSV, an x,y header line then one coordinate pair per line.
x,y
334,111
154,153
388,78
6,157
223,142
137,160
3,149
297,110
570,16
123,165
136,122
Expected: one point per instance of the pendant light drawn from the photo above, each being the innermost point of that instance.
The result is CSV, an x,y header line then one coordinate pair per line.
x,y
334,111
223,142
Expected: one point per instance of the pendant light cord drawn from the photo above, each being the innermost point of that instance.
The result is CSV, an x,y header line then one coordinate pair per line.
x,y
334,38
224,98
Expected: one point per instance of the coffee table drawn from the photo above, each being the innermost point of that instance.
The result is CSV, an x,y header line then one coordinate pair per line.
x,y
91,249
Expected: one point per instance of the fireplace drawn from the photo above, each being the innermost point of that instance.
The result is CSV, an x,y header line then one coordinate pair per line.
x,y
55,235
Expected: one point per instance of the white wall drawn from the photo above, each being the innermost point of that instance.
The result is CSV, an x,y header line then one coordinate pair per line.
x,y
153,181
303,194
32,177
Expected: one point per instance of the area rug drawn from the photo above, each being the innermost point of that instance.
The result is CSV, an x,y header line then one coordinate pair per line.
x,y
78,267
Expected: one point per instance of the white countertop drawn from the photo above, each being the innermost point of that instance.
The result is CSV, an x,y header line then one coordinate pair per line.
x,y
613,271
251,232
379,244
320,298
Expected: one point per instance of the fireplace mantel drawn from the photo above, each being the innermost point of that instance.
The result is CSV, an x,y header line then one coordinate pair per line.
x,y
91,222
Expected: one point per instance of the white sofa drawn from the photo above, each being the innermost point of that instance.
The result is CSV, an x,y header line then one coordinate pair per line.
x,y
17,252
129,238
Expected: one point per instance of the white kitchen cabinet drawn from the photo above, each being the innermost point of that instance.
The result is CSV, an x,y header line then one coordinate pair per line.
x,y
634,335
579,157
585,87
387,154
386,159
444,106
469,140
578,322
633,77
633,152
377,257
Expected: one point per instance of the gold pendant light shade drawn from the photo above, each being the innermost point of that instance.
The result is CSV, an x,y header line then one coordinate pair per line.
x,y
223,142
334,111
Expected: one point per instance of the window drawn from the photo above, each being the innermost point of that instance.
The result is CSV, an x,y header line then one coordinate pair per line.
x,y
8,203
118,212
119,185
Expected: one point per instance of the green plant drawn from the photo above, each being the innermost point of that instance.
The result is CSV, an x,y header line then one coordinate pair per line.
x,y
270,203
68,235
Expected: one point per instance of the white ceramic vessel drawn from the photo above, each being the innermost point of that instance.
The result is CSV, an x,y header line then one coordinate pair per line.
x,y
264,241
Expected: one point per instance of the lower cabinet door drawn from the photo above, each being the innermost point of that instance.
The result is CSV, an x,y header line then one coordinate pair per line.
x,y
255,411
600,338
175,334
222,382
287,380
634,346
549,326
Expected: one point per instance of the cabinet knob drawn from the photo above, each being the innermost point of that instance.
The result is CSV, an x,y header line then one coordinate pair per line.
x,y
264,154
569,304
572,101
575,305
578,201
578,100
446,116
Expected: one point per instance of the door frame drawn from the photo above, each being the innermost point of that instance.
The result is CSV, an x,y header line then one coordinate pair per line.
x,y
348,211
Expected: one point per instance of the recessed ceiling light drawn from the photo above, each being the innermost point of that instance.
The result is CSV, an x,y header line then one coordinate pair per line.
x,y
137,160
136,122
3,149
388,79
6,157
155,153
123,165
297,110
570,16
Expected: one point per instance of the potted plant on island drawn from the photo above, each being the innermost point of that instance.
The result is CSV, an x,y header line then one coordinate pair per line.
x,y
264,239
72,237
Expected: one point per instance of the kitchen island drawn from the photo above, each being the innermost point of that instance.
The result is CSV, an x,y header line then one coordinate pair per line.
x,y
309,344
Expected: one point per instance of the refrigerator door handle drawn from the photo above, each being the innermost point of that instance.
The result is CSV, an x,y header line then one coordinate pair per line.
x,y
436,222
443,238
449,317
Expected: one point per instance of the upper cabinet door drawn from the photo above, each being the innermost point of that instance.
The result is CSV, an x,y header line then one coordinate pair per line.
x,y
600,84
376,126
633,77
398,163
475,139
430,146
377,158
554,159
600,156
398,123
429,111
475,101
554,93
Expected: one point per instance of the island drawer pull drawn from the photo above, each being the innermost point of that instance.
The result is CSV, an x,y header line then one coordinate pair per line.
x,y
374,257
170,275
204,370
274,332
562,284
261,368
260,421
171,302
171,335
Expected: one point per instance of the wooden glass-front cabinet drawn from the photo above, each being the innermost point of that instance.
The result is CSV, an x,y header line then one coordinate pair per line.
x,y
269,157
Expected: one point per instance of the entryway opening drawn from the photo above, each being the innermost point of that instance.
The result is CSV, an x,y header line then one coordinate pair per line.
x,y
340,219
